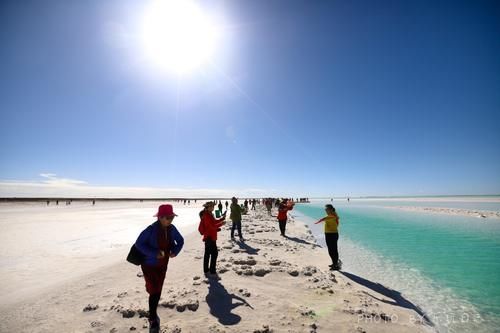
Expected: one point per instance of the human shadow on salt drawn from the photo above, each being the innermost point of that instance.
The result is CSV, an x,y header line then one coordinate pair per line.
x,y
397,298
221,303
247,248
300,241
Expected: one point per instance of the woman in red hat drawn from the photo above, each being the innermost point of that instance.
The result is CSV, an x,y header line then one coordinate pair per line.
x,y
158,242
209,228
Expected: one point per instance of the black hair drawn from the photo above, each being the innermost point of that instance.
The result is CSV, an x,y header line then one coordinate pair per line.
x,y
330,207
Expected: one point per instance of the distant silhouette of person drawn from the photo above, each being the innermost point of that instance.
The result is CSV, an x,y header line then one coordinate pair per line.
x,y
93,202
269,205
227,204
283,209
253,204
48,202
331,221
57,202
220,207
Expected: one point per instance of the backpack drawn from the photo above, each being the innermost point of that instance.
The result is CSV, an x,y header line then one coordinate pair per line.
x,y
201,227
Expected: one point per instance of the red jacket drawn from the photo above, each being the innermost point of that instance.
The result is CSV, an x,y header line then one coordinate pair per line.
x,y
210,225
282,210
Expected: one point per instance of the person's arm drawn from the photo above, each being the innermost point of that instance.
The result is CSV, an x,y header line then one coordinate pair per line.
x,y
220,222
211,222
178,242
142,243
320,220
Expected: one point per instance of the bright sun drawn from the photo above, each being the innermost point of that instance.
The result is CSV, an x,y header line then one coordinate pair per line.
x,y
177,35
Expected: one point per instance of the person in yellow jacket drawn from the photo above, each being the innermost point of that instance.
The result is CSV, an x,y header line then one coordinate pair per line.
x,y
331,221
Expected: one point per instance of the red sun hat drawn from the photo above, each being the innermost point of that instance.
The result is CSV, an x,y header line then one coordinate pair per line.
x,y
165,210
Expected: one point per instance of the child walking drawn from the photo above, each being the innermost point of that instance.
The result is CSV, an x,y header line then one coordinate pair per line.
x,y
158,243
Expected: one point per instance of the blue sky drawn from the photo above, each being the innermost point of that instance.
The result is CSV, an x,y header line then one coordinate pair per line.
x,y
312,98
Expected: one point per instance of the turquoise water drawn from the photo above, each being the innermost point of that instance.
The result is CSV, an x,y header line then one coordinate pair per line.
x,y
461,254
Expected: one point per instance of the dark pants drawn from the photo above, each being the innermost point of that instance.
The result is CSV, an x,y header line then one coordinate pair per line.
x,y
282,226
211,253
154,276
331,242
236,225
154,299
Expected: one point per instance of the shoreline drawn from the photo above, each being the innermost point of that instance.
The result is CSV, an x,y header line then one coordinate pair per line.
x,y
449,211
284,282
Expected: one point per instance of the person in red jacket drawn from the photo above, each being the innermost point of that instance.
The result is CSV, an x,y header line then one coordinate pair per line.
x,y
209,227
283,209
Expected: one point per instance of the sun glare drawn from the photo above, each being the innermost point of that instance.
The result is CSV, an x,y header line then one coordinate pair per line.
x,y
177,35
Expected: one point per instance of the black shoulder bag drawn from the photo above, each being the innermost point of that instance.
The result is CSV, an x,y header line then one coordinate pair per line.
x,y
135,256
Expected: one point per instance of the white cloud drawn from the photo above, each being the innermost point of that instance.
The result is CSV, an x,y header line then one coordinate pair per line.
x,y
54,180
53,186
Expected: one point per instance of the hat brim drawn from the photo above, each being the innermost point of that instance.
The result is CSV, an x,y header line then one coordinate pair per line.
x,y
156,215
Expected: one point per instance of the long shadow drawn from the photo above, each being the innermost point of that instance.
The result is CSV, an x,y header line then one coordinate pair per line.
x,y
247,248
221,303
301,241
397,298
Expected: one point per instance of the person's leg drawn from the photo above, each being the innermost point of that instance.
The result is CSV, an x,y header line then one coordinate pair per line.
x,y
153,306
282,227
233,227
206,257
213,259
155,277
329,244
238,225
335,249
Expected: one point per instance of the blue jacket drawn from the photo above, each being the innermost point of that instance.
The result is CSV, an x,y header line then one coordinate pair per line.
x,y
147,242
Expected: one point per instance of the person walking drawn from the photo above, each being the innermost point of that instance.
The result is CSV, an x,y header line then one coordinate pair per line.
x,y
269,206
209,226
331,221
236,218
158,243
220,207
283,209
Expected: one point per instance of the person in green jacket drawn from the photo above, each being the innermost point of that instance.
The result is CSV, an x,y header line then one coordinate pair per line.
x,y
235,216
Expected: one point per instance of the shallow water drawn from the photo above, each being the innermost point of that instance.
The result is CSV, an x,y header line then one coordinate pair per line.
x,y
449,265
